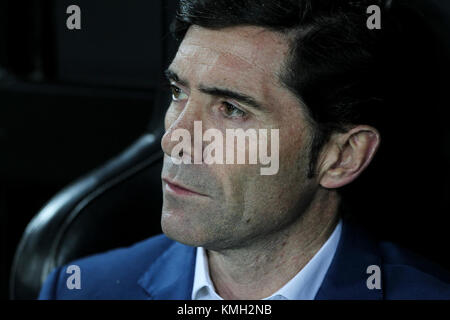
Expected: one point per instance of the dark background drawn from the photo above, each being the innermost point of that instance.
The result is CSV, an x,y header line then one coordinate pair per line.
x,y
70,100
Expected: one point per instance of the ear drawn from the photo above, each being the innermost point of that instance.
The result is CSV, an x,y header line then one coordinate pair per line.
x,y
347,155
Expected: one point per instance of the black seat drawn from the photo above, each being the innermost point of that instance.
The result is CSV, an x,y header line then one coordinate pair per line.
x,y
115,205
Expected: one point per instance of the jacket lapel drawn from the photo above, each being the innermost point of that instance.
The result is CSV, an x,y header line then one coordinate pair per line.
x,y
171,276
347,276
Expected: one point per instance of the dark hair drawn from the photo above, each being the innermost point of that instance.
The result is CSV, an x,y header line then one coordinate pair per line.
x,y
345,73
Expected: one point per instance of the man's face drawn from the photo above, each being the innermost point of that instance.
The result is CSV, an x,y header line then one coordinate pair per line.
x,y
234,204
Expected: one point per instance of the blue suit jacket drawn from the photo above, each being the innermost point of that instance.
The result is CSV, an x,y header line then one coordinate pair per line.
x,y
160,268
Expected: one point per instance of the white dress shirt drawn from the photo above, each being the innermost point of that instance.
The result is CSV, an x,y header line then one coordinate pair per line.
x,y
303,286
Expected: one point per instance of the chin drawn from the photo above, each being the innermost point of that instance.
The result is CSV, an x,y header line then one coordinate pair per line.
x,y
176,228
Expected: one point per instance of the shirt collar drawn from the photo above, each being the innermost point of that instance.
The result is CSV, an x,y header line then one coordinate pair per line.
x,y
203,288
303,286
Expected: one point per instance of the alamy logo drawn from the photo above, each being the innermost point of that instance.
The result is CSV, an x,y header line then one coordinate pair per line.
x,y
74,280
74,20
374,21
374,280
213,153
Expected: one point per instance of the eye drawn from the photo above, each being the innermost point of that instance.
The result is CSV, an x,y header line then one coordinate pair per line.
x,y
177,93
231,111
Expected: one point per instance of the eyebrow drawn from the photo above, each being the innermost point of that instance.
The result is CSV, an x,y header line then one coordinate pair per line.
x,y
218,92
173,76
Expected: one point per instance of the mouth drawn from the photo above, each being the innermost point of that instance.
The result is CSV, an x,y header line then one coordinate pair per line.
x,y
178,189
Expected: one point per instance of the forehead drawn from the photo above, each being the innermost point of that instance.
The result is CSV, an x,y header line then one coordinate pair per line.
x,y
237,55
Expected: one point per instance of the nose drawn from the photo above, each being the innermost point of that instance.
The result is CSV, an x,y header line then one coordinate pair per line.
x,y
180,127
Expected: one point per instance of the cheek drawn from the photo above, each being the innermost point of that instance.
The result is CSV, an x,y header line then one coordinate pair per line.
x,y
237,181
232,179
282,190
244,186
294,144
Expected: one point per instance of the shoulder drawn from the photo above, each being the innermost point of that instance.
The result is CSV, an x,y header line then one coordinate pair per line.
x,y
109,275
407,275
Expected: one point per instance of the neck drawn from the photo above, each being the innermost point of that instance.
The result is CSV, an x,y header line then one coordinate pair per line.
x,y
260,269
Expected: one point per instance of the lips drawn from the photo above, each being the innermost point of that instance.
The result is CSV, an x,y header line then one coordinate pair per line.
x,y
179,189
